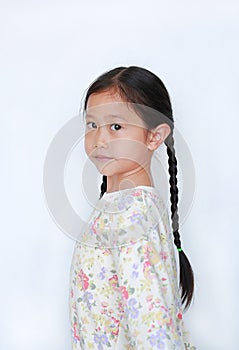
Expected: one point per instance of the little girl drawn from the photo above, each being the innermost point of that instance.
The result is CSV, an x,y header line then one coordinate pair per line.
x,y
124,291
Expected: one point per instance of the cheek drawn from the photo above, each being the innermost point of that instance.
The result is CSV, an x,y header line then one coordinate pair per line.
x,y
88,144
134,150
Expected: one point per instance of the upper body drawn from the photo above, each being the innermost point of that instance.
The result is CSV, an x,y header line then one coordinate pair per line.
x,y
123,283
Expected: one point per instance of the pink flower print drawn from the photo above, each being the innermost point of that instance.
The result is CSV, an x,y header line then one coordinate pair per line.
x,y
147,250
146,266
121,307
164,255
137,193
107,252
114,277
151,306
146,270
75,333
93,226
149,298
103,311
84,279
164,308
114,282
124,292
170,322
104,304
129,249
180,316
115,326
164,285
92,230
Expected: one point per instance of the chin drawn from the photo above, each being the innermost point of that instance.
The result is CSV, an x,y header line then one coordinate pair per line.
x,y
107,171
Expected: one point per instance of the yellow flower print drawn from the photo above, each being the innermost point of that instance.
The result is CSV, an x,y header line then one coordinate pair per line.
x,y
90,262
121,219
145,285
107,324
147,318
128,347
85,320
106,290
159,317
90,345
136,332
129,250
101,223
153,254
163,238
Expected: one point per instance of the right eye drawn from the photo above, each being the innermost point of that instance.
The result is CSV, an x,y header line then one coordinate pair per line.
x,y
91,125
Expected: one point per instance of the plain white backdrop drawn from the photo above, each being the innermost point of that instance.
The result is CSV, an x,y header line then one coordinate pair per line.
x,y
50,52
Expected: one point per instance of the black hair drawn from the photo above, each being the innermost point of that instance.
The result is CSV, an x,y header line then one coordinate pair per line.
x,y
143,88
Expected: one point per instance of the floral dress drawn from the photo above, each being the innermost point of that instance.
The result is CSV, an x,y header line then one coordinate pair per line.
x,y
124,291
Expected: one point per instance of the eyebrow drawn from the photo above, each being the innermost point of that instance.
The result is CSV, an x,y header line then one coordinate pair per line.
x,y
107,116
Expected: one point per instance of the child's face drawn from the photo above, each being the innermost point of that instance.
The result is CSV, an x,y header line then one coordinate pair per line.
x,y
115,136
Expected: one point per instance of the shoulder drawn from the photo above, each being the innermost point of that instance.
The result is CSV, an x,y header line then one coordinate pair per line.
x,y
125,216
137,197
146,201
141,201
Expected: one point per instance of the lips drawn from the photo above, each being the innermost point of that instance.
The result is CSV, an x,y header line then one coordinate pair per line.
x,y
102,158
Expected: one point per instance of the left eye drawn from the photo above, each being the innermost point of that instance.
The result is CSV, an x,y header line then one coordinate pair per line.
x,y
115,126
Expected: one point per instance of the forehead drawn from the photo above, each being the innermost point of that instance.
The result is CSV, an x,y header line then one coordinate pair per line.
x,y
104,97
109,103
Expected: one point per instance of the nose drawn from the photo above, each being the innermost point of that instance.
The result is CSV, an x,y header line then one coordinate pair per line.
x,y
101,137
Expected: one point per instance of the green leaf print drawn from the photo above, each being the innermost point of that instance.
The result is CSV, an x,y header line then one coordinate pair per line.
x,y
122,232
92,285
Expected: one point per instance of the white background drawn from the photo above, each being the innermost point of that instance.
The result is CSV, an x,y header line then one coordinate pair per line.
x,y
50,52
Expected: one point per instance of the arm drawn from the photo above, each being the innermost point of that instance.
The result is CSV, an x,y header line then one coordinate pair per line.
x,y
151,318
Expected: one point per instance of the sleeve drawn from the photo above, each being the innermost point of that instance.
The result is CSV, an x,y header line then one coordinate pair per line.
x,y
187,339
151,318
148,284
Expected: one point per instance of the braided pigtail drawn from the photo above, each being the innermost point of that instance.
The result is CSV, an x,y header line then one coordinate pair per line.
x,y
103,186
186,272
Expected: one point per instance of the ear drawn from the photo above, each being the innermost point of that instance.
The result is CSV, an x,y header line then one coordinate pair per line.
x,y
157,136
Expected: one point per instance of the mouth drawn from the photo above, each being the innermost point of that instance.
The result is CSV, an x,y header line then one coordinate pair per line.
x,y
103,158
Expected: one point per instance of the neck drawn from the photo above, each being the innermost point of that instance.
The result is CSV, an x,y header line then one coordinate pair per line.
x,y
139,176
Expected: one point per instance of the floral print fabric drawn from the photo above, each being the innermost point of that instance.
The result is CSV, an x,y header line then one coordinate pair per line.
x,y
123,280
